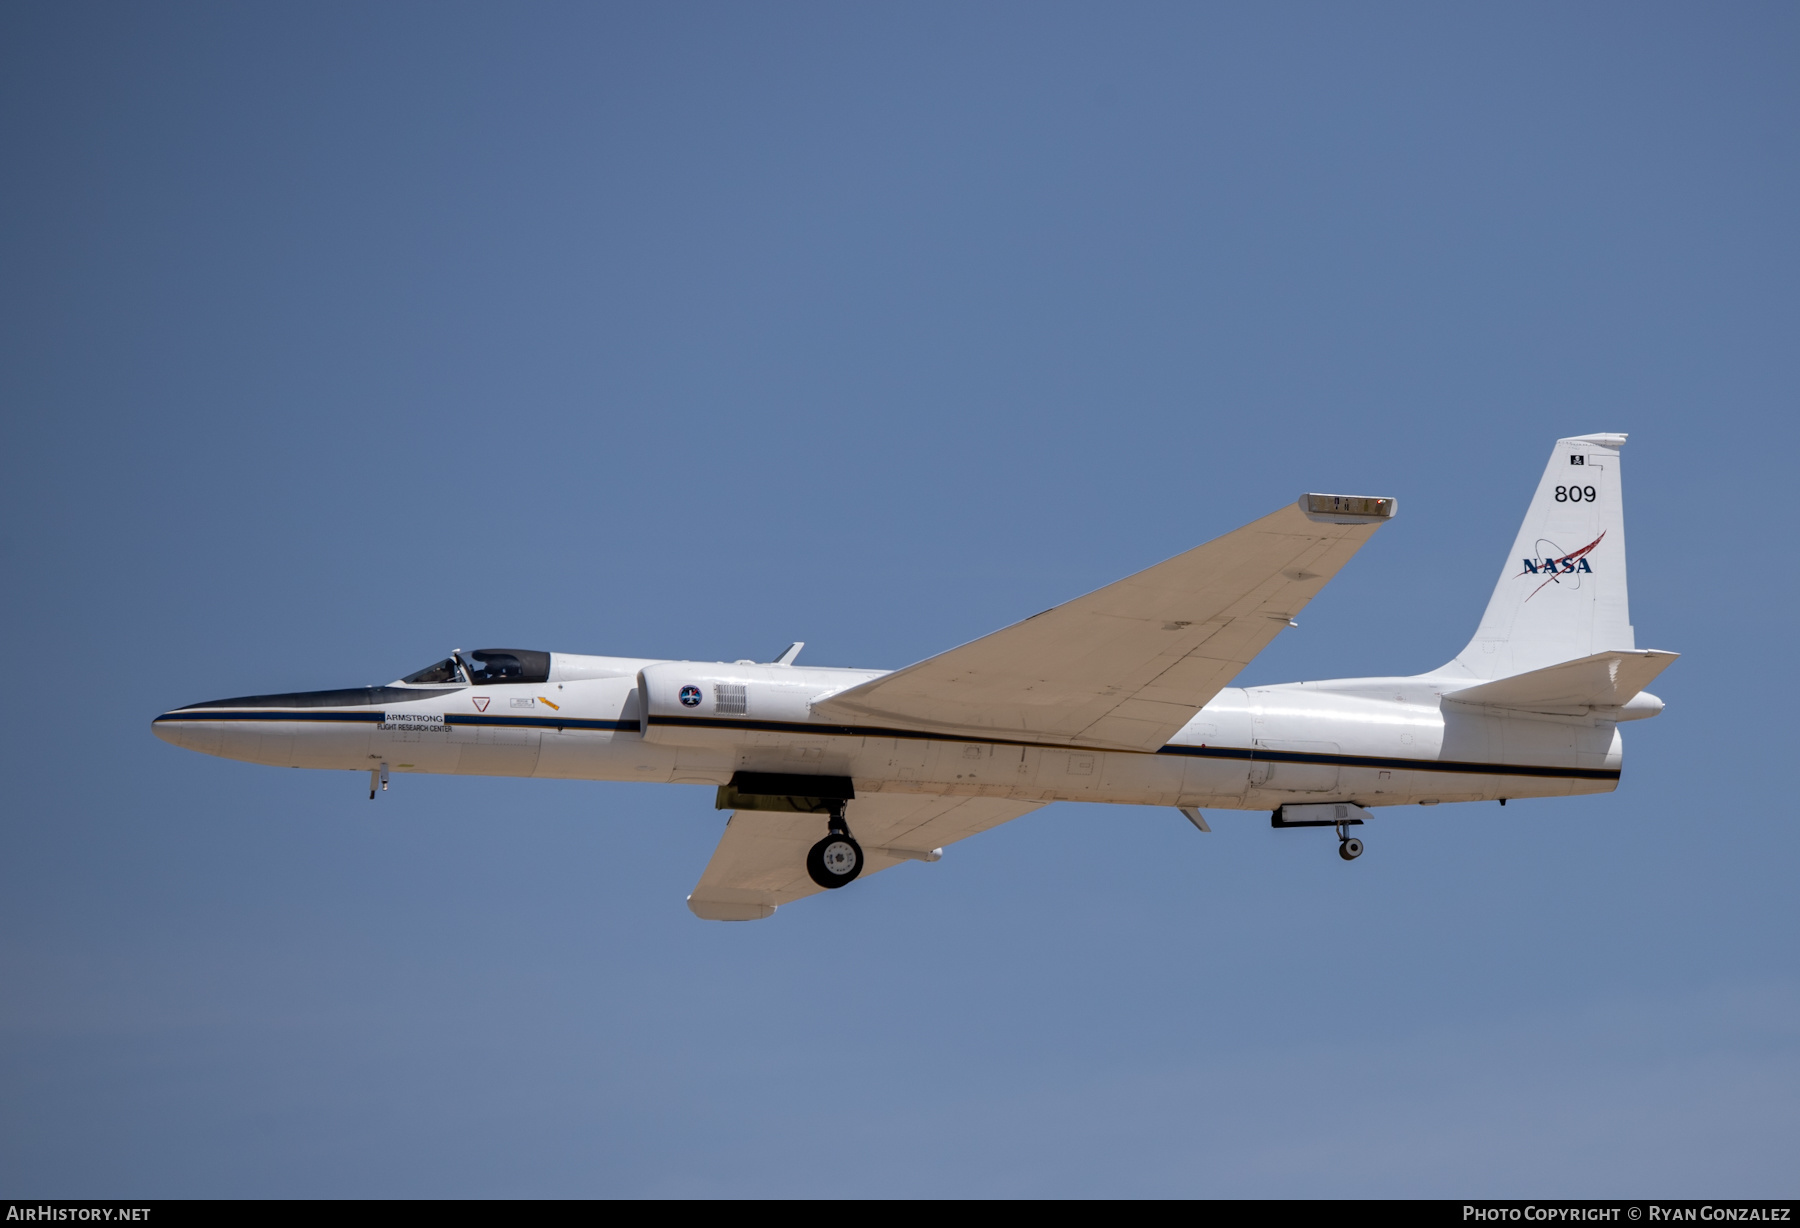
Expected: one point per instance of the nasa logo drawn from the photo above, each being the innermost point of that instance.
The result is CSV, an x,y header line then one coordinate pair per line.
x,y
690,697
1566,565
1554,566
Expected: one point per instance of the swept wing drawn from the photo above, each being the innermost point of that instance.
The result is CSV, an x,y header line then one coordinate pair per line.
x,y
1129,664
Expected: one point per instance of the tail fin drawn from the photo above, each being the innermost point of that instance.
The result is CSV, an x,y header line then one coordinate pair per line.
x,y
1562,592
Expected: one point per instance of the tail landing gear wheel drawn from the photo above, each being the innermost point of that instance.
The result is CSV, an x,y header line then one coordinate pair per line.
x,y
835,861
1350,848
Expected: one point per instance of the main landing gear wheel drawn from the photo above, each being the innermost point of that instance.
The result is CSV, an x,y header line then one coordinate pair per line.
x,y
1350,848
835,861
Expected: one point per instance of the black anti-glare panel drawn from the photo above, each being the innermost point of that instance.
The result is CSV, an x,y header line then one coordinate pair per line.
x,y
354,697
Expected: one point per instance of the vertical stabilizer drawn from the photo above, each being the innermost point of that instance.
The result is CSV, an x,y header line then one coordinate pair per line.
x,y
1561,593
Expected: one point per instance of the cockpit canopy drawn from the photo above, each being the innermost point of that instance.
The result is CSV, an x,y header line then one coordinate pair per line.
x,y
445,671
507,665
484,666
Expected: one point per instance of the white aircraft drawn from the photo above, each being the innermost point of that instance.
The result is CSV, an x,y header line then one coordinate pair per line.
x,y
1118,696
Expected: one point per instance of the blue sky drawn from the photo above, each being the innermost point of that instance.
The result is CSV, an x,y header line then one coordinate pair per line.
x,y
332,337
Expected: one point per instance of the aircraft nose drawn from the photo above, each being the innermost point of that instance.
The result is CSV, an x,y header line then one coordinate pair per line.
x,y
165,728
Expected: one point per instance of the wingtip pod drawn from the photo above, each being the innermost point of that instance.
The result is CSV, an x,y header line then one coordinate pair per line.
x,y
1348,509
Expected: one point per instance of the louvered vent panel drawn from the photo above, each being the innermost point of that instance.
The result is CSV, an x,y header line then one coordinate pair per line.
x,y
730,699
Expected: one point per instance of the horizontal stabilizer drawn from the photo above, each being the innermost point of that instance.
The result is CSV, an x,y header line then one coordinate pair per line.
x,y
1604,680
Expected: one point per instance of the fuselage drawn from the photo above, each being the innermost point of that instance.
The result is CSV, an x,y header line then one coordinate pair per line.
x,y
1374,741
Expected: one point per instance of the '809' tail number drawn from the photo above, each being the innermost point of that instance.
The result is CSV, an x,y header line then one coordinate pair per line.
x,y
1575,494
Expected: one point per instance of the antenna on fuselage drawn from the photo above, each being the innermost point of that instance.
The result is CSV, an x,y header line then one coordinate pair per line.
x,y
790,652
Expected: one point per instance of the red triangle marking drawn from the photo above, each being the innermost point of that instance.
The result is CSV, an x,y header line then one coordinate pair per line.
x,y
481,702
